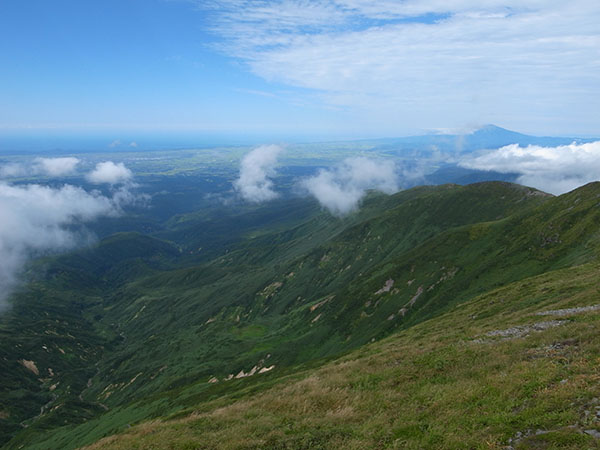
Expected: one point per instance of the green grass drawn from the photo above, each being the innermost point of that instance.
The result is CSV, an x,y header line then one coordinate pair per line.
x,y
436,385
147,326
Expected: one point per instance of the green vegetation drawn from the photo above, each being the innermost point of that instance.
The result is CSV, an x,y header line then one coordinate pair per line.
x,y
441,384
301,330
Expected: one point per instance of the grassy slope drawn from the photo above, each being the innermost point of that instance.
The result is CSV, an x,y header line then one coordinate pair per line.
x,y
441,384
247,304
455,242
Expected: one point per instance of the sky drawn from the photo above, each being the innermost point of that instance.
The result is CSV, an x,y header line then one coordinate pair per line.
x,y
268,70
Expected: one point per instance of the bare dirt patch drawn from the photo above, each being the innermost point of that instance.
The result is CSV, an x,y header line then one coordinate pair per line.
x,y
522,330
569,311
29,365
386,287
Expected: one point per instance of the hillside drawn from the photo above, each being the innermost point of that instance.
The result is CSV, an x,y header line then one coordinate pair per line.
x,y
167,331
513,368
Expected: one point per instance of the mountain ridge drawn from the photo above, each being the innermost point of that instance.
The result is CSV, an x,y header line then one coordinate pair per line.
x,y
327,286
489,136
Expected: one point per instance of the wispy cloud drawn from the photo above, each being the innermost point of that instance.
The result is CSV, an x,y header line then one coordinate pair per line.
x,y
341,188
429,61
257,167
552,169
256,92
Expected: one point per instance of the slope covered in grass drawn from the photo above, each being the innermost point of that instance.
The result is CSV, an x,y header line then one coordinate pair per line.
x,y
453,381
171,333
517,365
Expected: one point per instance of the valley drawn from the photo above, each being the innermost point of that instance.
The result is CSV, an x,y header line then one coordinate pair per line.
x,y
299,225
323,323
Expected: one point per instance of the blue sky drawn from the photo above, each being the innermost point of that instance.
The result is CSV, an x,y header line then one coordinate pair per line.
x,y
298,69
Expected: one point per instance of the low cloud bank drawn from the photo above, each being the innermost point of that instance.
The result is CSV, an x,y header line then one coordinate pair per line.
x,y
341,188
551,169
254,183
37,219
108,172
54,167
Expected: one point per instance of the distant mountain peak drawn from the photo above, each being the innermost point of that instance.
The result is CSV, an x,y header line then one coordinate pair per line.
x,y
491,129
487,129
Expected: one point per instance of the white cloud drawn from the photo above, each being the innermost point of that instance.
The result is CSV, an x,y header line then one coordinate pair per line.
x,y
340,189
55,167
427,62
39,219
108,172
254,183
552,169
12,170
